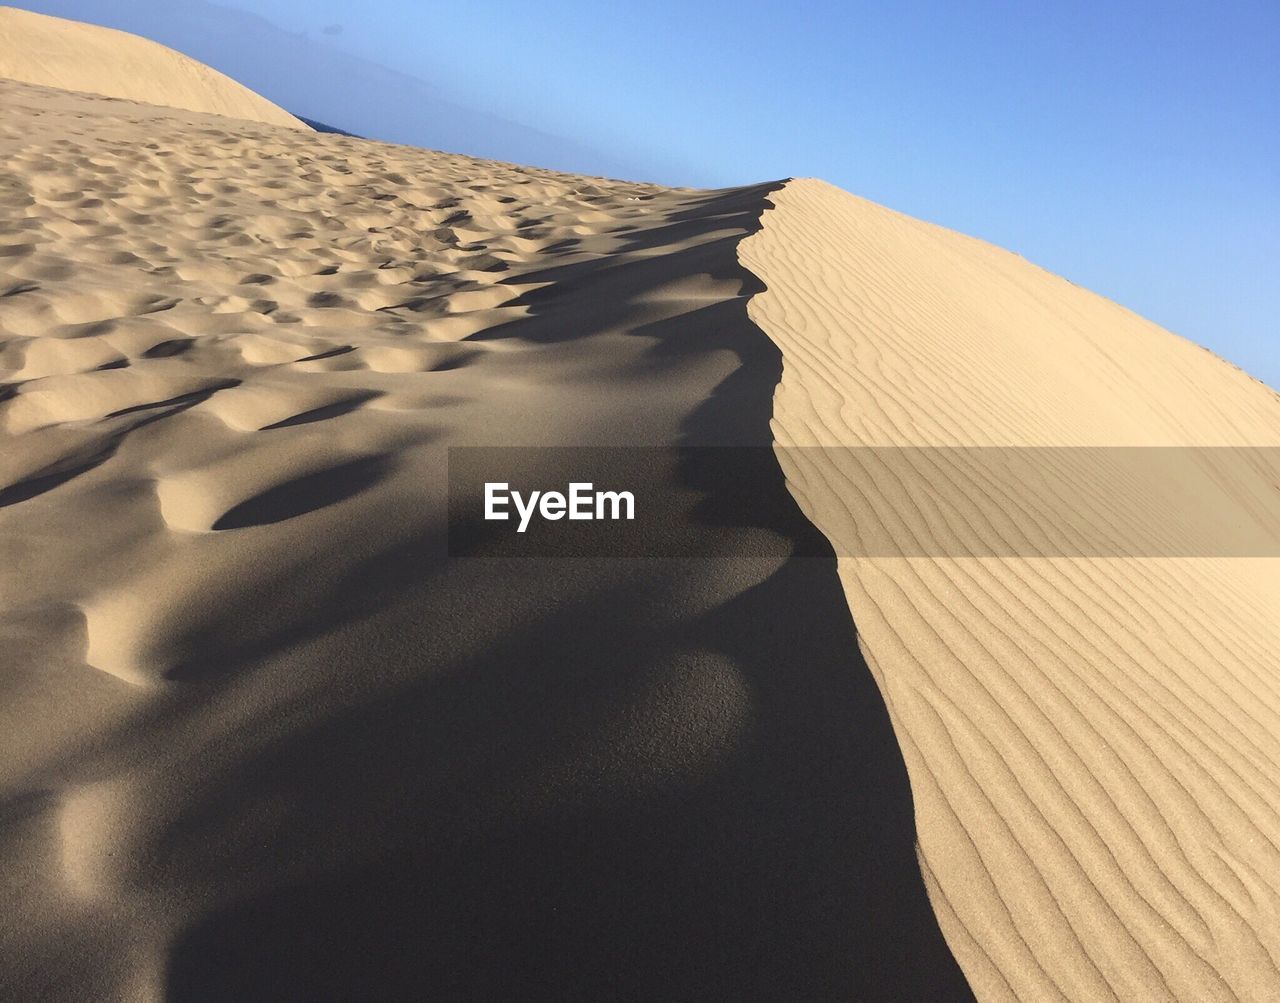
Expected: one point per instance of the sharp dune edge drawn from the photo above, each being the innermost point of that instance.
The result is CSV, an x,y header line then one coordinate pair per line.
x,y
53,52
1094,743
263,737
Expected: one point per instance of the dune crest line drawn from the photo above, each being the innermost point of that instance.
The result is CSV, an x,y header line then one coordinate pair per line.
x,y
263,732
1093,742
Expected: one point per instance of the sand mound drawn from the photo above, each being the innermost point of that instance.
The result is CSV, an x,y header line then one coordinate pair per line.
x,y
38,49
1093,739
260,733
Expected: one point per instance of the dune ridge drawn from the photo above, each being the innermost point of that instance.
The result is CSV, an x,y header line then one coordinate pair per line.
x,y
262,730
54,52
262,735
1093,742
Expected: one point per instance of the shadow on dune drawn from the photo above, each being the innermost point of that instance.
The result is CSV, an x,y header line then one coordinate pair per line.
x,y
97,453
618,797
307,493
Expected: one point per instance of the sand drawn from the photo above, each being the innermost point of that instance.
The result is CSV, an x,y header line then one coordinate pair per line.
x,y
54,52
1093,740
263,735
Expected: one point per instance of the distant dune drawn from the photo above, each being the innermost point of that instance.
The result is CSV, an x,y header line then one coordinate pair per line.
x,y
39,49
313,78
265,734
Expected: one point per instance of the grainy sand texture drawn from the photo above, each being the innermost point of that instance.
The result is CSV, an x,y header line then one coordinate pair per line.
x,y
263,736
1093,741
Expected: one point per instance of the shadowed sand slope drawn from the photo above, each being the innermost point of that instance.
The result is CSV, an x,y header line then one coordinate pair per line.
x,y
1093,740
53,52
261,737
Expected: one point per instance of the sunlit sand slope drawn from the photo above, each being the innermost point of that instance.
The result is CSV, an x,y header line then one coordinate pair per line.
x,y
1093,741
38,49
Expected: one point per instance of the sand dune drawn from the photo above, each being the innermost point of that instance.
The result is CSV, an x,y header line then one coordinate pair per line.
x,y
1093,741
264,734
54,52
323,82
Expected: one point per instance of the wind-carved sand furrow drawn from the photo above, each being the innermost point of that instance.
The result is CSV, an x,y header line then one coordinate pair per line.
x,y
1046,836
1064,827
940,785
1016,887
974,950
1092,777
1093,733
1020,756
1085,647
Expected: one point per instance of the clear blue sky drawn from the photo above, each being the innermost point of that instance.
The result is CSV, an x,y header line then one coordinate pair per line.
x,y
1132,147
